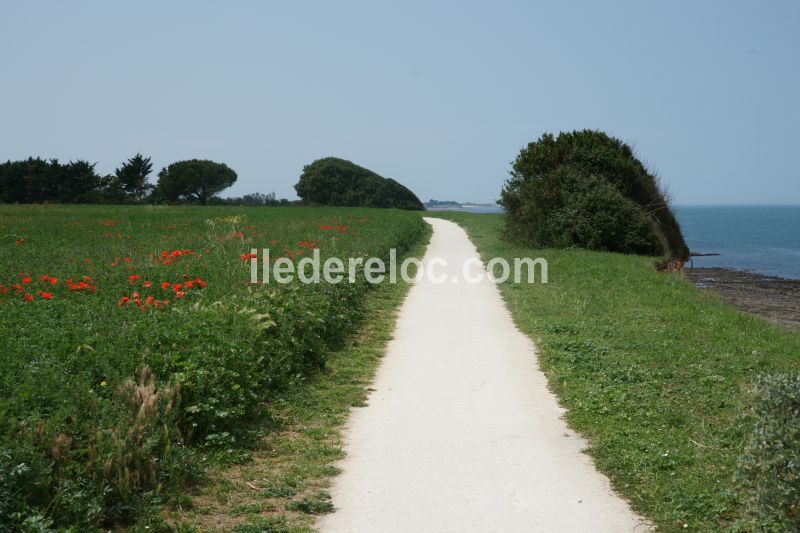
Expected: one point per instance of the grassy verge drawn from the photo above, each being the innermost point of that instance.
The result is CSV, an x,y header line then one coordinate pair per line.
x,y
284,486
654,373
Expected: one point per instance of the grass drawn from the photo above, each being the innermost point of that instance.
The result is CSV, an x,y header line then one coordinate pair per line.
x,y
134,351
283,487
656,374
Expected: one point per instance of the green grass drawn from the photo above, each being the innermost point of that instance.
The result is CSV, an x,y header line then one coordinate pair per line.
x,y
87,438
284,486
654,373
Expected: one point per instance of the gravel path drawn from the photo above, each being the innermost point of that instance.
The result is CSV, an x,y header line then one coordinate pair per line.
x,y
461,432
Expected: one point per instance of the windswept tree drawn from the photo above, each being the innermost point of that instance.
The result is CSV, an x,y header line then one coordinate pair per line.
x,y
195,180
334,181
588,189
132,177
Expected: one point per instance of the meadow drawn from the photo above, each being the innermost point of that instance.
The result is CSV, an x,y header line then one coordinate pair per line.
x,y
659,377
133,348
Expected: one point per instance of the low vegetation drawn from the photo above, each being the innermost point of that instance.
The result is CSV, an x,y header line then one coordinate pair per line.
x,y
769,469
334,181
284,487
585,189
133,347
660,378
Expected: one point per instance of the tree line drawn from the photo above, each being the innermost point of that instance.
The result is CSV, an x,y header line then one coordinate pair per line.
x,y
37,180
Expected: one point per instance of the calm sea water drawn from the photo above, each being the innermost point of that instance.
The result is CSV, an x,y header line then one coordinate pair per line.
x,y
759,239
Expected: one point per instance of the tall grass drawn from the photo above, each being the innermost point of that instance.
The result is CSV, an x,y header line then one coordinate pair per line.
x,y
144,345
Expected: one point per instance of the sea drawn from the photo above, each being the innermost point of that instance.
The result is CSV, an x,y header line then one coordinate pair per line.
x,y
761,239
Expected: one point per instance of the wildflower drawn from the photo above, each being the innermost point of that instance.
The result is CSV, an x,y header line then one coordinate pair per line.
x,y
177,287
124,300
28,298
103,384
180,294
46,295
165,285
148,284
134,277
26,280
247,257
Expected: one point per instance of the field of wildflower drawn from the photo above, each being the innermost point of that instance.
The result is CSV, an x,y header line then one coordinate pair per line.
x,y
132,342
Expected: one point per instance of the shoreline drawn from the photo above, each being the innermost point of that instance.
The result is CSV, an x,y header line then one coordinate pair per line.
x,y
773,298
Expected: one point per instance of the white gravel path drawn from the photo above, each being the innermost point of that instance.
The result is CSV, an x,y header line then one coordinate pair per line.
x,y
461,432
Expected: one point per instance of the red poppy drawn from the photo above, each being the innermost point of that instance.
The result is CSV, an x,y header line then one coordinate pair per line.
x,y
46,295
134,277
28,298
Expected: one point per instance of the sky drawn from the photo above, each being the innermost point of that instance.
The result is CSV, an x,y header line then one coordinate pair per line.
x,y
440,96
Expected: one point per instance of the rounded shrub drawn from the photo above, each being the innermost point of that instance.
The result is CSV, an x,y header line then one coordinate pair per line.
x,y
587,189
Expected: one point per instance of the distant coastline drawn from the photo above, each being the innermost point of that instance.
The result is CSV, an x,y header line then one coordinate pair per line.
x,y
469,207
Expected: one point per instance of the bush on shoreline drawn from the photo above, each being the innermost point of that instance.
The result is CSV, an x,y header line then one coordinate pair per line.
x,y
586,189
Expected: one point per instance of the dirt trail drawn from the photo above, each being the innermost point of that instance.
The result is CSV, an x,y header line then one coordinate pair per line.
x,y
461,432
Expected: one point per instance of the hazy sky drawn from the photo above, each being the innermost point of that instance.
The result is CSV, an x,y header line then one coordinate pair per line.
x,y
438,95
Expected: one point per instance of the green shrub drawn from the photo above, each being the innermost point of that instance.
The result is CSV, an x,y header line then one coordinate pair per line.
x,y
596,216
770,466
561,188
334,181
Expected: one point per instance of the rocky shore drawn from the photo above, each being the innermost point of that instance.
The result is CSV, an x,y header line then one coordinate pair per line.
x,y
776,299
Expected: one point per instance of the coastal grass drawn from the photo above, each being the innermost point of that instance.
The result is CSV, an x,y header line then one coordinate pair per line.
x,y
283,487
654,373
